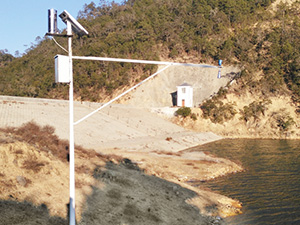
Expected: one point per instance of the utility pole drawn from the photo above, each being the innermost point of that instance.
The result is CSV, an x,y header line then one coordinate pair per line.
x,y
64,74
71,124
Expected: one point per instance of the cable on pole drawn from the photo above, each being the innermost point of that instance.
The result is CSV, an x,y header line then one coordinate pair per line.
x,y
60,45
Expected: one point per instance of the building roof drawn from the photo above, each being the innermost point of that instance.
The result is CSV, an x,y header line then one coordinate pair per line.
x,y
185,85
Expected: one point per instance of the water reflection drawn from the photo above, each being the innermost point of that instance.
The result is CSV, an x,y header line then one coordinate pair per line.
x,y
269,188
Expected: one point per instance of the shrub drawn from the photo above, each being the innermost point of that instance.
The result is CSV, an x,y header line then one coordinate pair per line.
x,y
284,122
217,111
254,110
183,111
193,116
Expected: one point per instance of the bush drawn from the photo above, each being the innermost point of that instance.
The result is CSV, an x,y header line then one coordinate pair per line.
x,y
254,110
284,122
193,116
217,111
183,111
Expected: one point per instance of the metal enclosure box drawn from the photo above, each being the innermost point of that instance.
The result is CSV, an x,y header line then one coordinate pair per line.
x,y
62,66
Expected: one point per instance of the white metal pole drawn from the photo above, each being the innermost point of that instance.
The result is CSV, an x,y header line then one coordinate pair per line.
x,y
142,61
71,144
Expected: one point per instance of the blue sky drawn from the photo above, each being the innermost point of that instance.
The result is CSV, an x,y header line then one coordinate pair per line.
x,y
21,21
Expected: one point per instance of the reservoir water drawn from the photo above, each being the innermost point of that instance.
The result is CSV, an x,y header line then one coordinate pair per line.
x,y
269,188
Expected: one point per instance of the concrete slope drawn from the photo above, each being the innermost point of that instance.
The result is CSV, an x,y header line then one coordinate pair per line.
x,y
157,92
117,126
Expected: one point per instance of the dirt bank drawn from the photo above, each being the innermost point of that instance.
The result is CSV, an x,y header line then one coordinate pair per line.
x,y
132,197
125,196
279,119
109,189
183,167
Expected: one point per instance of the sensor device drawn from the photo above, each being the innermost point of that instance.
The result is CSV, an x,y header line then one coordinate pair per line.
x,y
76,26
52,21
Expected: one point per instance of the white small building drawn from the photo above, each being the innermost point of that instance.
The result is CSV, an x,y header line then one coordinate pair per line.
x,y
185,95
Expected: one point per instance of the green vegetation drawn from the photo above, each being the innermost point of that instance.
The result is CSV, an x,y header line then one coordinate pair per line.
x,y
243,32
183,111
283,121
147,29
217,111
5,58
254,110
193,116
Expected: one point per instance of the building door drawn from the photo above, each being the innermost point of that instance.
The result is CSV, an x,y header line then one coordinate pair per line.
x,y
183,103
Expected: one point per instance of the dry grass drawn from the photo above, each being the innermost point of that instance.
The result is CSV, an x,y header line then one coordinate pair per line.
x,y
46,140
167,153
43,137
34,167
32,164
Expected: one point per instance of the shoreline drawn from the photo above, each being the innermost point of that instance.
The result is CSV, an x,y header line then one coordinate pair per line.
x,y
182,168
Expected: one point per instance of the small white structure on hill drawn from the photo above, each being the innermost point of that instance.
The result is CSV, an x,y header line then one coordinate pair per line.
x,y
185,95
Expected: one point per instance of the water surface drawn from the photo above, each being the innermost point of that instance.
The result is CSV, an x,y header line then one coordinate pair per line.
x,y
269,188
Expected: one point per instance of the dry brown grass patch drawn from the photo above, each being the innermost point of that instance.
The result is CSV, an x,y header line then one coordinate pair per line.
x,y
34,167
43,137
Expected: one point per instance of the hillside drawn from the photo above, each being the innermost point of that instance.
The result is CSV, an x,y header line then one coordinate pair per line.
x,y
257,40
263,101
204,31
